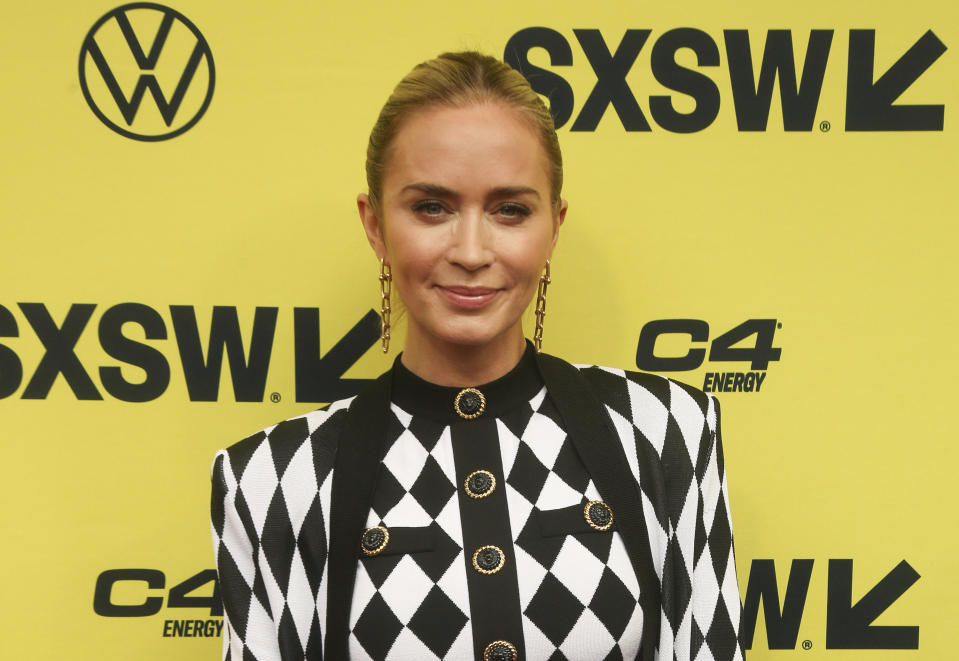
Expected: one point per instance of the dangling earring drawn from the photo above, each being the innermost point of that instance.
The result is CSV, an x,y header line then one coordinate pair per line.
x,y
541,308
386,287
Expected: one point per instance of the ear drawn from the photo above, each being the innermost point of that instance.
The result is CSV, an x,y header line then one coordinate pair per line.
x,y
371,225
557,221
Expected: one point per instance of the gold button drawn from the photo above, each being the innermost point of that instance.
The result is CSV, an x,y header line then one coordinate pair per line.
x,y
488,559
469,403
374,540
598,515
479,484
500,650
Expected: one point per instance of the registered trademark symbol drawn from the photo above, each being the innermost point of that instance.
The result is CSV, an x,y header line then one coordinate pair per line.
x,y
275,397
824,126
807,644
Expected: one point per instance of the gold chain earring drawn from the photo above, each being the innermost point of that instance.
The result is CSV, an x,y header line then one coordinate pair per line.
x,y
544,281
386,288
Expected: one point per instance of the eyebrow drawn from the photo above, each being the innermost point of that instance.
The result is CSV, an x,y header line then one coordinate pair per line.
x,y
442,191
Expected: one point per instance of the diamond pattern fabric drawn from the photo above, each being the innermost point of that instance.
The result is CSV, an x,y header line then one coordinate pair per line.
x,y
577,591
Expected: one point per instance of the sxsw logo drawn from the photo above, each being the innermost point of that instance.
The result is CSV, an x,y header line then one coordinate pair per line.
x,y
131,336
142,50
849,621
870,99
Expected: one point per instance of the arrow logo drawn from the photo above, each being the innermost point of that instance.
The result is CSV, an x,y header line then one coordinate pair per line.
x,y
849,626
869,105
320,379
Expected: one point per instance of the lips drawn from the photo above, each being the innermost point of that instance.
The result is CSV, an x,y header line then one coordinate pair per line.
x,y
470,298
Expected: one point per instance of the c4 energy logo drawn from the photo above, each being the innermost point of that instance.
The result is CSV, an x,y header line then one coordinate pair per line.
x,y
139,593
726,347
143,48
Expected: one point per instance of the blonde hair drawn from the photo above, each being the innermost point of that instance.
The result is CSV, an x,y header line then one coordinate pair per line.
x,y
456,80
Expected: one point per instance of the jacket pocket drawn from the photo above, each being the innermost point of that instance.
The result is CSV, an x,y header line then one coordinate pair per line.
x,y
566,521
404,540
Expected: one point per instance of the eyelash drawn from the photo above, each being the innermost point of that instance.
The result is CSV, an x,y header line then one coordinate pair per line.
x,y
435,208
517,210
425,205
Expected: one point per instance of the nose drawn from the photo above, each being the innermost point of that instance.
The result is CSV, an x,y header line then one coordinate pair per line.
x,y
469,245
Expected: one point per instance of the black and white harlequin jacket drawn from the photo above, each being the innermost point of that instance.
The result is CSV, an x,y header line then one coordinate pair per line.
x,y
582,515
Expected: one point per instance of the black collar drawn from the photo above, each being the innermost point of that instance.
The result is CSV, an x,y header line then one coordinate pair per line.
x,y
420,397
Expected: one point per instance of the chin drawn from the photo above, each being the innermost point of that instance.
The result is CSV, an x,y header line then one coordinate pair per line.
x,y
473,334
468,339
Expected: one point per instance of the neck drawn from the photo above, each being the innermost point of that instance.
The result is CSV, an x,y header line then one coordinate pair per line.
x,y
448,364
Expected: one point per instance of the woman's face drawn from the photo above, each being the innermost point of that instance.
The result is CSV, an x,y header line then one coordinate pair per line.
x,y
467,222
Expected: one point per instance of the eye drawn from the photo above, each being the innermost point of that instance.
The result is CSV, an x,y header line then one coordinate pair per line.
x,y
430,208
513,211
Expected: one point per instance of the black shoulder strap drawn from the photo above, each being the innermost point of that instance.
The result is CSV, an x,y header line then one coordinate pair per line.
x,y
592,433
358,456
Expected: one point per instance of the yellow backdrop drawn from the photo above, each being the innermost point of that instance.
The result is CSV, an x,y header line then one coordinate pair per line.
x,y
226,210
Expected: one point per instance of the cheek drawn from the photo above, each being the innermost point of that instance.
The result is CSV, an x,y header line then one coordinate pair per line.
x,y
531,260
526,268
412,264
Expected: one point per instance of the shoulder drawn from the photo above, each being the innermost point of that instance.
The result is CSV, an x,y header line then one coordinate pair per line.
x,y
635,396
267,453
657,407
622,388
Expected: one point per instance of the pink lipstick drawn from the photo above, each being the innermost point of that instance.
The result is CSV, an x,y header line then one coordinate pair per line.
x,y
471,298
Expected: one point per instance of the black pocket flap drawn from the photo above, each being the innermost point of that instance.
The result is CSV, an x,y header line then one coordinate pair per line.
x,y
565,521
409,540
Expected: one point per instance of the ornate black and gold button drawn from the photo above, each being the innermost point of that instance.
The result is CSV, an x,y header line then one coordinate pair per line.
x,y
500,650
598,514
374,540
488,559
469,403
479,484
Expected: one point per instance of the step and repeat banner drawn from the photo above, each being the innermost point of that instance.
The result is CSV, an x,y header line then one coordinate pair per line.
x,y
762,203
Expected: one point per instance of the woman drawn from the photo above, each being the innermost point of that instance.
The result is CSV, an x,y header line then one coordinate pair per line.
x,y
480,499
